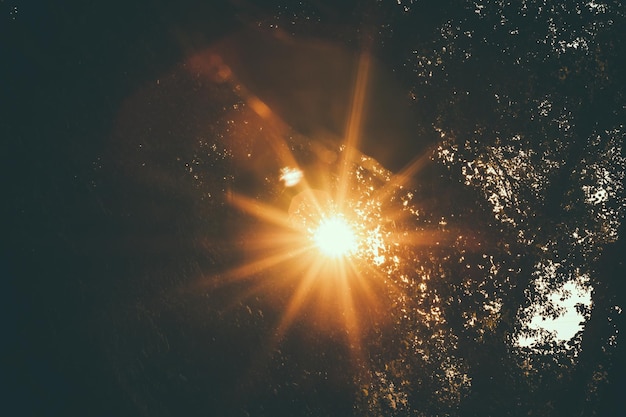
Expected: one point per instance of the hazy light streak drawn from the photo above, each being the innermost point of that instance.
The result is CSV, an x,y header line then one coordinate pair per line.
x,y
260,210
272,241
351,318
298,299
404,176
353,131
264,263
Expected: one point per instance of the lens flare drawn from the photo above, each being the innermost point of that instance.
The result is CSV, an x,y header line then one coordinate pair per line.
x,y
290,176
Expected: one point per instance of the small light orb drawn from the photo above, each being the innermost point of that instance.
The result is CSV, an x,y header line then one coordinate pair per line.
x,y
334,237
290,176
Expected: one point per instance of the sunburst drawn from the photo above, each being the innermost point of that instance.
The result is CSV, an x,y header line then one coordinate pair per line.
x,y
331,242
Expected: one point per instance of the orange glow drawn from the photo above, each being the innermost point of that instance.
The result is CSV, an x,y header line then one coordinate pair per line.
x,y
321,250
334,249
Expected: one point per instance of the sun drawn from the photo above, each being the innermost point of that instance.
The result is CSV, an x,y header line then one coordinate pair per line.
x,y
326,249
334,237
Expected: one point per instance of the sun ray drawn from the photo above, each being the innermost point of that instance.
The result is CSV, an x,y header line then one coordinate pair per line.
x,y
350,317
365,287
298,299
309,205
259,210
270,284
267,241
403,177
264,263
353,129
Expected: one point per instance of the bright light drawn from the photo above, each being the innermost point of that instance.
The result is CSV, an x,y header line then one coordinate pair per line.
x,y
290,176
334,237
